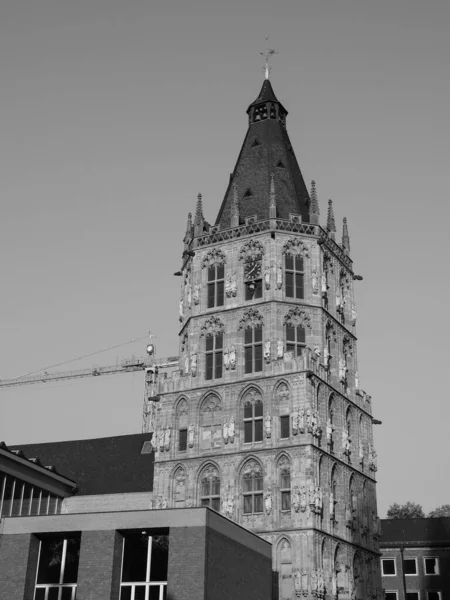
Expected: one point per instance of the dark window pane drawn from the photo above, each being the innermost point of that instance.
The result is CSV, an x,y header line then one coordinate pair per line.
x,y
211,289
7,501
290,333
258,289
248,336
290,348
72,559
248,292
154,592
248,484
139,592
258,482
388,567
285,481
53,594
259,430
211,273
412,595
301,334
258,409
431,566
135,557
220,271
219,360
248,360
284,426
299,350
248,411
49,569
390,596
285,500
182,440
215,504
219,341
433,596
410,566
258,334
215,488
125,592
289,262
40,594
247,505
298,286
258,358
248,426
299,263
289,285
258,503
209,343
26,498
209,366
205,501
220,287
160,558
66,593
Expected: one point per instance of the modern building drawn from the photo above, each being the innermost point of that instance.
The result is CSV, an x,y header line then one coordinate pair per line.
x,y
265,420
415,560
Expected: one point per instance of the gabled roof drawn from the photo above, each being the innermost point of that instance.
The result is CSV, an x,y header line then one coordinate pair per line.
x,y
266,150
110,465
426,531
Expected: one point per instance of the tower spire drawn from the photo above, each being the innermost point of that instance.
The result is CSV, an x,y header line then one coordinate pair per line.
x,y
273,198
345,236
199,218
331,224
314,210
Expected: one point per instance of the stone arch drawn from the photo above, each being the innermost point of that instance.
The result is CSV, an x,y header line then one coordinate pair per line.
x,y
251,250
251,484
284,563
296,247
251,318
338,574
182,413
208,485
298,316
356,583
213,257
179,484
282,395
210,418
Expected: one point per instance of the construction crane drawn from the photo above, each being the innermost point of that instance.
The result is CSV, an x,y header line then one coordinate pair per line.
x,y
149,364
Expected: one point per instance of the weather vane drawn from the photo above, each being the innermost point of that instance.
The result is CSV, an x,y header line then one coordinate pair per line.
x,y
267,54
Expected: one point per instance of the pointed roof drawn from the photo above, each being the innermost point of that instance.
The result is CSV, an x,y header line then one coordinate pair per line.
x,y
266,149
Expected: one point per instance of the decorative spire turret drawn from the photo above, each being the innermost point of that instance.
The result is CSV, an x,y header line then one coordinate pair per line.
x,y
314,211
188,234
235,208
345,236
272,198
199,218
331,224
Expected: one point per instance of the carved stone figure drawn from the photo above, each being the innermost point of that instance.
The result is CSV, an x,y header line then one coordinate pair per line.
x,y
312,496
320,583
331,507
348,515
196,294
233,285
279,276
164,502
361,452
373,462
330,429
357,381
326,356
315,281
225,431
324,283
303,500
194,364
309,419
345,441
318,499
354,314
159,502
231,430
181,309
305,583
295,422
301,420
154,441
352,588
338,301
280,349
267,351
167,438
268,501
314,582
296,498
268,425
267,278
342,370
188,294
161,436
228,286
233,356
186,364
191,436
226,359
189,502
230,506
298,583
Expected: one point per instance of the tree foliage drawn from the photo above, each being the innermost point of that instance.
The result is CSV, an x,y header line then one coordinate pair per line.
x,y
440,511
409,510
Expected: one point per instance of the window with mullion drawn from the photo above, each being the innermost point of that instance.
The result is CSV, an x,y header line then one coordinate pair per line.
x,y
216,285
295,339
253,494
294,277
57,568
214,356
253,422
285,489
253,350
210,492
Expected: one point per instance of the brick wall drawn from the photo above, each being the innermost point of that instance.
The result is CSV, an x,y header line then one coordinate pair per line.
x,y
99,567
187,555
18,561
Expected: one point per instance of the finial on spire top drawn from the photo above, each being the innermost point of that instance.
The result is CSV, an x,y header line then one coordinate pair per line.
x,y
267,54
331,224
314,204
345,236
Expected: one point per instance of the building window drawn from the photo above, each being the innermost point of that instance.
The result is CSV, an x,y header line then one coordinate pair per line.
x,y
18,498
253,494
388,566
253,349
410,566
253,421
391,596
434,595
253,279
57,568
294,276
214,356
412,596
182,440
284,426
210,490
216,285
431,565
144,566
285,489
295,339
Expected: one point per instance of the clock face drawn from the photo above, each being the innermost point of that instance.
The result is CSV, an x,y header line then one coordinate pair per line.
x,y
252,270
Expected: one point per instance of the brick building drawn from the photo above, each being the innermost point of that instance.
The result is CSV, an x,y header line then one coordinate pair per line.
x,y
415,562
265,420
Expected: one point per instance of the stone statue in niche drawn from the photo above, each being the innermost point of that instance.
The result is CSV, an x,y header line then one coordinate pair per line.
x,y
154,441
164,502
226,359
196,294
167,439
305,589
191,436
295,422
331,507
298,583
161,436
373,462
186,364
338,301
312,496
280,349
188,294
194,364
268,501
231,430
342,370
301,420
233,356
330,429
296,498
233,285
361,452
181,309
158,504
315,281
324,284
225,432
303,500
189,502
318,499
267,277
320,583
357,381
348,515
314,582
354,314
228,286
267,351
352,588
326,356
345,441
279,276
268,425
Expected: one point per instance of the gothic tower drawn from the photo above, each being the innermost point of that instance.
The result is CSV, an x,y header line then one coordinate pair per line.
x,y
265,421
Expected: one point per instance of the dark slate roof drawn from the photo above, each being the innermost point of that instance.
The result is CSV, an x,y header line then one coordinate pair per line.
x,y
266,149
415,531
110,465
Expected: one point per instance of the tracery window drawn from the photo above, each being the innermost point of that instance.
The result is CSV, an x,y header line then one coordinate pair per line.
x,y
179,488
214,356
285,488
295,339
285,569
253,490
253,421
216,285
210,489
294,276
211,423
253,349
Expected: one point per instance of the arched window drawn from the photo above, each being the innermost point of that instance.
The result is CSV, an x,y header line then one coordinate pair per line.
x,y
182,422
295,339
285,569
253,418
214,355
211,423
330,425
252,488
282,395
285,487
179,488
294,276
216,285
253,349
210,488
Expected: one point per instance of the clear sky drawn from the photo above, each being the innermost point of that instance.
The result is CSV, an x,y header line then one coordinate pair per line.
x,y
115,114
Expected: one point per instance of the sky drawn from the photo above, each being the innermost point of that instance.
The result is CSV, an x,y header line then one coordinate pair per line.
x,y
114,115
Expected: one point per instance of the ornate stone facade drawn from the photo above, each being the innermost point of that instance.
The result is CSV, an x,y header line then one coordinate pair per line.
x,y
279,433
